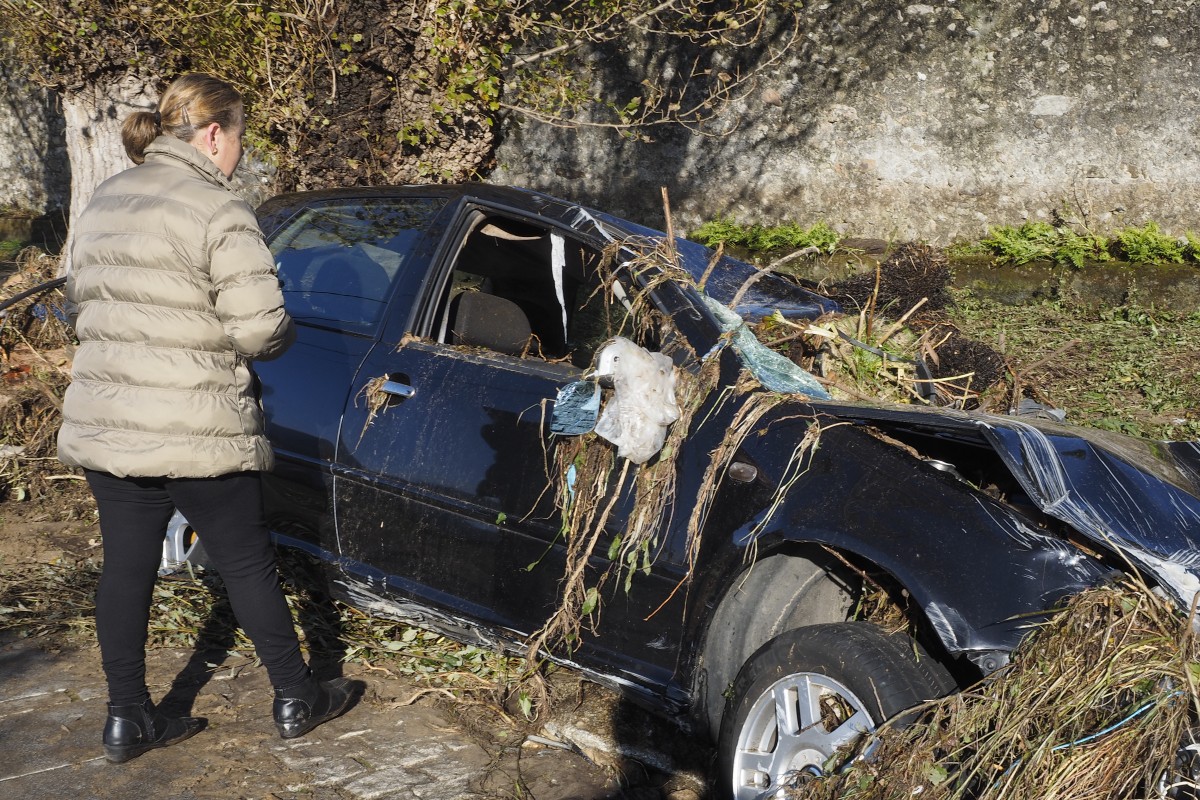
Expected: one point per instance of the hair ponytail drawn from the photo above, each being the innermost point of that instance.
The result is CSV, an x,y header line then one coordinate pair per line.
x,y
137,132
190,103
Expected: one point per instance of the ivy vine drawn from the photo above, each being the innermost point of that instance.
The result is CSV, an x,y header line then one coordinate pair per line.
x,y
378,91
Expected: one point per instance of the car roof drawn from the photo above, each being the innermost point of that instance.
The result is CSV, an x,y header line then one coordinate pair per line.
x,y
768,292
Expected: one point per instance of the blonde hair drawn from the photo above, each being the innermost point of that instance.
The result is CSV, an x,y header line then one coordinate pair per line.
x,y
189,104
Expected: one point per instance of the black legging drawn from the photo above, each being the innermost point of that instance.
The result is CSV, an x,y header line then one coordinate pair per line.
x,y
227,512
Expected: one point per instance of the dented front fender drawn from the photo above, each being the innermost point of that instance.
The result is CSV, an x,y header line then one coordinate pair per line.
x,y
981,572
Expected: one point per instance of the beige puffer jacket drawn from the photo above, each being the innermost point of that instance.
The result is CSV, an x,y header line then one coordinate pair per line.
x,y
172,292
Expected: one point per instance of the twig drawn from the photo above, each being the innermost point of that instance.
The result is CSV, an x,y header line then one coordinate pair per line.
x,y
850,390
670,229
804,251
712,264
527,60
737,298
1043,361
898,324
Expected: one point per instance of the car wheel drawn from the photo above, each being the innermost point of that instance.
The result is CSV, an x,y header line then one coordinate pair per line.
x,y
811,691
182,547
1183,782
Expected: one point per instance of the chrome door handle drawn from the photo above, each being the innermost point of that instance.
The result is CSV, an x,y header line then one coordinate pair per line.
x,y
397,389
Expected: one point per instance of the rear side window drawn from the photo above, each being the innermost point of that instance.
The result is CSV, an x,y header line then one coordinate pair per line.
x,y
338,260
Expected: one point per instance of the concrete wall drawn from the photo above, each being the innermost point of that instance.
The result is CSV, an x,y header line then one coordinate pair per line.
x,y
920,120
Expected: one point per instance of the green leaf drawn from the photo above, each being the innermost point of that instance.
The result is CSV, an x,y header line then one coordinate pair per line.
x,y
590,600
614,548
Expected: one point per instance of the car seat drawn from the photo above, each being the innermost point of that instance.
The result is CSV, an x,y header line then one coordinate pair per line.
x,y
485,320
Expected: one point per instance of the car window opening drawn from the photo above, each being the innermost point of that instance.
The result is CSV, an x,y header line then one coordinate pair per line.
x,y
532,292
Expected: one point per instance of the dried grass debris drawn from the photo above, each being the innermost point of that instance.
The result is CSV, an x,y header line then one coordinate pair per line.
x,y
898,308
35,351
1095,704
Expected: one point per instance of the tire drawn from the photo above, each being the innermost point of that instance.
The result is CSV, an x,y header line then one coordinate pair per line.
x,y
854,677
182,548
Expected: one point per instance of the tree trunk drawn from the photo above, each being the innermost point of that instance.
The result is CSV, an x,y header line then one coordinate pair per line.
x,y
94,114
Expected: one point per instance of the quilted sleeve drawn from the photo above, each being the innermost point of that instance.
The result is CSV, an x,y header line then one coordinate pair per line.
x,y
248,300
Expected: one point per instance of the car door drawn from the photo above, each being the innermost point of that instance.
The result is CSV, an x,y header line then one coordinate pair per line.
x,y
444,486
338,265
443,458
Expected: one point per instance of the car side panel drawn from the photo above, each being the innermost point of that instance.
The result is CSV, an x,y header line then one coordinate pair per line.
x,y
303,394
976,568
448,493
305,391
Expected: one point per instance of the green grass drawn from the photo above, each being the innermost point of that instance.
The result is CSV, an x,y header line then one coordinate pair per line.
x,y
1039,241
1006,244
1063,245
763,238
1124,369
1148,245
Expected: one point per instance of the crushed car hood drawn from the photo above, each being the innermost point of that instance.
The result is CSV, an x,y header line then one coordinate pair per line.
x,y
1137,498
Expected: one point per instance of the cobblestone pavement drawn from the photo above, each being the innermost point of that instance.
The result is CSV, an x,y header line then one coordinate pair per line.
x,y
52,709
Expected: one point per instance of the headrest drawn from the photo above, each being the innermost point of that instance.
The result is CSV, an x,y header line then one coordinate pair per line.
x,y
485,320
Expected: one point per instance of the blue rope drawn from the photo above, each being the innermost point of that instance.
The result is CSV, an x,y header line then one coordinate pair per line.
x,y
1091,737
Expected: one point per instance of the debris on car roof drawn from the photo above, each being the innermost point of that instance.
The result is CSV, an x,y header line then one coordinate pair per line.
x,y
897,308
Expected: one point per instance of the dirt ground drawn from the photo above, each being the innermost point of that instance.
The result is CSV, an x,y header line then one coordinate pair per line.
x,y
401,740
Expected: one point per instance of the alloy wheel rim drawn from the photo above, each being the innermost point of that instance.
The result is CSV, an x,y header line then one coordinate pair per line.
x,y
792,729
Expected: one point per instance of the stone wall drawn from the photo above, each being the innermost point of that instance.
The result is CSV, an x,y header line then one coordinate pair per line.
x,y
920,120
886,119
34,173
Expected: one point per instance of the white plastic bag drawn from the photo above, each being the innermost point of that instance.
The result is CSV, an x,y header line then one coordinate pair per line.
x,y
643,404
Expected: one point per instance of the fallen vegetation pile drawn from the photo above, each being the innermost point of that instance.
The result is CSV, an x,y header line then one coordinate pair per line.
x,y
193,611
35,351
895,341
1095,704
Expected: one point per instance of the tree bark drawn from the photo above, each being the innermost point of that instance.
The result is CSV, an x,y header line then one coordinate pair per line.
x,y
94,114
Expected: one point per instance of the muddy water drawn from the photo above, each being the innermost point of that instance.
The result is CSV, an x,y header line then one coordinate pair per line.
x,y
1171,287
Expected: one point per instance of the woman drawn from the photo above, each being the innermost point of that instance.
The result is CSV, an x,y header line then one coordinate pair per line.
x,y
172,294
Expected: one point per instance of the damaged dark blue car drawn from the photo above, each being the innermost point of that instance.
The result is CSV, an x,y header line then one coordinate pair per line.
x,y
411,423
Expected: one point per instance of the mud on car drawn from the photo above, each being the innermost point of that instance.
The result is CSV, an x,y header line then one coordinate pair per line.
x,y
435,431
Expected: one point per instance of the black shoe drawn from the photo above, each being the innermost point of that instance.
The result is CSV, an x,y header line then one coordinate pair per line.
x,y
132,730
300,708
